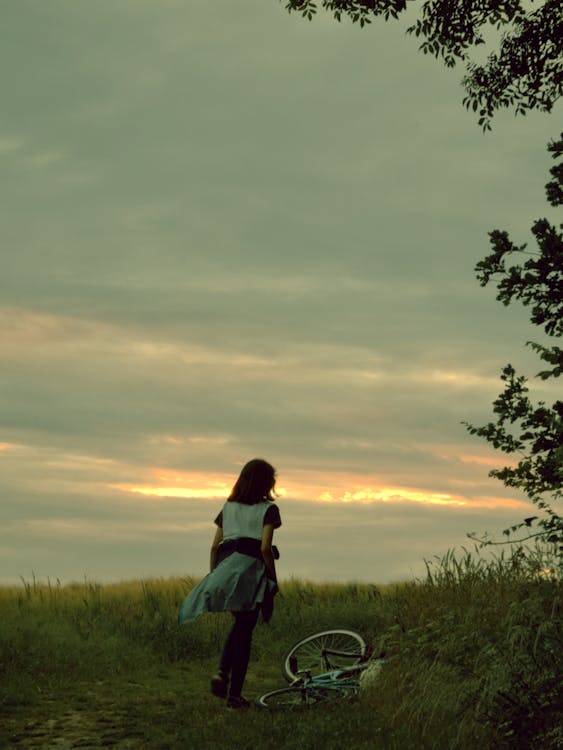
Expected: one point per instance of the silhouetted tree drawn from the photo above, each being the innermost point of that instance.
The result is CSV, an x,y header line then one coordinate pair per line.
x,y
535,432
526,70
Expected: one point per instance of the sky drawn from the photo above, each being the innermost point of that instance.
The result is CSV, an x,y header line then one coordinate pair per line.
x,y
227,232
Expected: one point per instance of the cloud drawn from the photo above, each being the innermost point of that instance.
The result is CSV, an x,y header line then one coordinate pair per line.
x,y
214,250
176,403
10,145
119,537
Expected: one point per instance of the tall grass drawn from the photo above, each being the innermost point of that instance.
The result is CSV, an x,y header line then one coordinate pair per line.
x,y
473,650
479,644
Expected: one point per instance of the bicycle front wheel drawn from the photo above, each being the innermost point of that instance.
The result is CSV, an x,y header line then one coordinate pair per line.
x,y
298,697
323,652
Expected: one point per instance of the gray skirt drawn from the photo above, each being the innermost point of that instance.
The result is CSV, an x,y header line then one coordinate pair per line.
x,y
239,583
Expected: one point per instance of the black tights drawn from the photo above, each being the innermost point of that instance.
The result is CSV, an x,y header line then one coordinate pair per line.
x,y
236,651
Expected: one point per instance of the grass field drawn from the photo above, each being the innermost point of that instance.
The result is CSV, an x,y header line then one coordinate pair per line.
x,y
473,660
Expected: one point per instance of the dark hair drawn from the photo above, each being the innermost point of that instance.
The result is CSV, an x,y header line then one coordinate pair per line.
x,y
255,484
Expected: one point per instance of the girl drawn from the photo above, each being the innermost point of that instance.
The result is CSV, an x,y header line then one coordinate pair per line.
x,y
243,574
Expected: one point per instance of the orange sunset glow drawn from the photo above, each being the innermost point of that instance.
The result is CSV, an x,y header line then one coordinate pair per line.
x,y
338,488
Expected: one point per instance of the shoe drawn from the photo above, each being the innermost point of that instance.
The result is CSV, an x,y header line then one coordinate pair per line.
x,y
219,685
238,701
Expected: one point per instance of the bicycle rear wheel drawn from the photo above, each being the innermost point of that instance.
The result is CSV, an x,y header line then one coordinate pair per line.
x,y
291,698
311,653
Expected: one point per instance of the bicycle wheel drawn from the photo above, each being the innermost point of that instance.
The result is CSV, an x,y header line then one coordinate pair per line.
x,y
311,652
291,698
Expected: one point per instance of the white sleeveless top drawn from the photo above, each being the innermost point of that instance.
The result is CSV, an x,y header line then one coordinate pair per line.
x,y
243,520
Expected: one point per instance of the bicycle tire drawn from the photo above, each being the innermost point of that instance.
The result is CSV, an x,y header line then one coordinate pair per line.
x,y
306,654
295,697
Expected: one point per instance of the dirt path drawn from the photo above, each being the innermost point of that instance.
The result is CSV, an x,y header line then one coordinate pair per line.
x,y
101,724
167,708
73,729
113,713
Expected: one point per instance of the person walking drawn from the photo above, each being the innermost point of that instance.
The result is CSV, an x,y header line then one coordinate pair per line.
x,y
242,577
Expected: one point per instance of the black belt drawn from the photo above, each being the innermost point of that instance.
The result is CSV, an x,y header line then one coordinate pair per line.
x,y
246,546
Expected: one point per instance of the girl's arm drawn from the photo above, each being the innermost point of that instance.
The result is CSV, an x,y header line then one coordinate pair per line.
x,y
217,539
266,549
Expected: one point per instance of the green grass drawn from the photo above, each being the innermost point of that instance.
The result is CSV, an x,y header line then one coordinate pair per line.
x,y
473,659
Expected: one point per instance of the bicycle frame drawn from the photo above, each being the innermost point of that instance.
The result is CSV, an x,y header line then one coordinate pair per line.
x,y
344,679
326,652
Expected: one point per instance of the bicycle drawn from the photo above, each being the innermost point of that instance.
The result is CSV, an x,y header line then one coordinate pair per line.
x,y
321,667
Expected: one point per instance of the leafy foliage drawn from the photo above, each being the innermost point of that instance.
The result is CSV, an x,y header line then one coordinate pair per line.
x,y
526,71
533,431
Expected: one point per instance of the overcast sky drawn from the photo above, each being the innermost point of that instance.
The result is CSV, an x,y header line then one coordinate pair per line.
x,y
227,232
